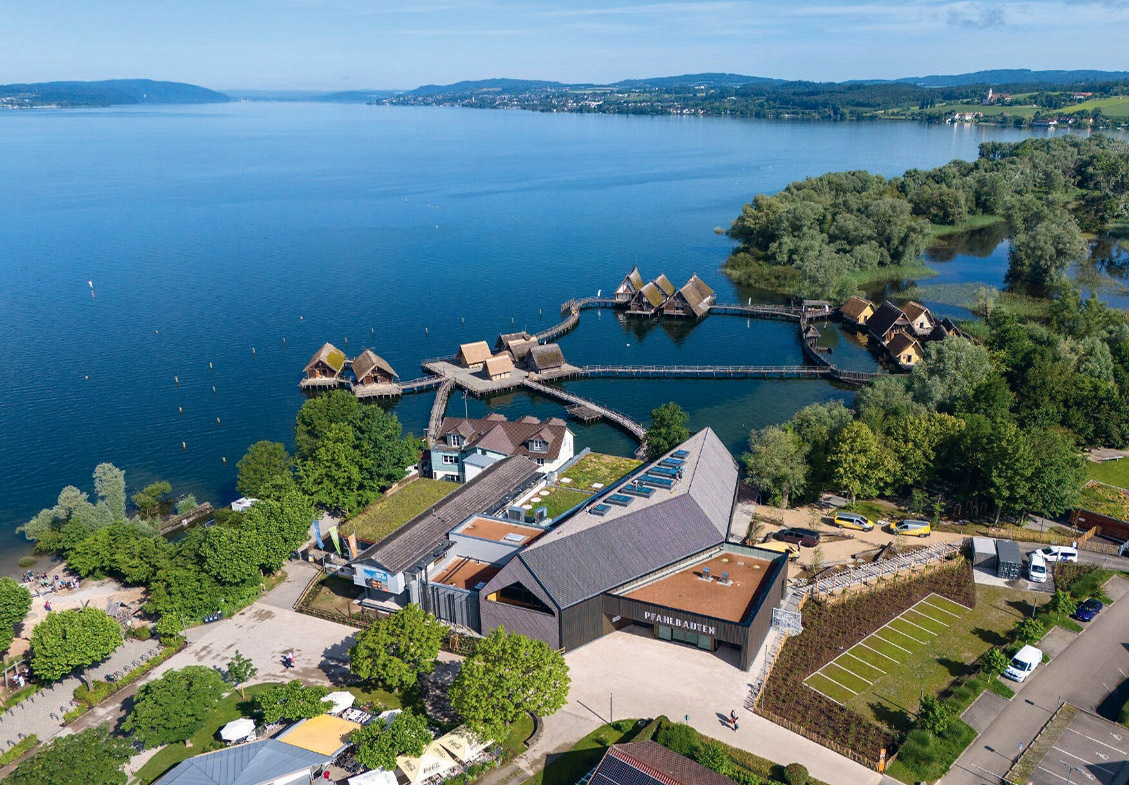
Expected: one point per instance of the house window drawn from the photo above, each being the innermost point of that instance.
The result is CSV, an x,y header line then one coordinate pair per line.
x,y
540,461
521,597
536,445
454,440
450,459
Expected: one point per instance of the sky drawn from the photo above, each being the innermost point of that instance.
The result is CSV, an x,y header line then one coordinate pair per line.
x,y
394,44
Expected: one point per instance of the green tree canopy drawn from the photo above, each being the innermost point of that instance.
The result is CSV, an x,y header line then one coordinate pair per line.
x,y
148,500
90,757
395,650
109,484
15,602
240,670
775,464
332,476
174,706
951,370
378,747
667,430
71,639
862,466
292,701
59,528
263,462
507,675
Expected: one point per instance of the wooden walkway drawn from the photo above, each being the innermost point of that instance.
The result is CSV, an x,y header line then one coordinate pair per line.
x,y
439,407
701,372
393,390
611,415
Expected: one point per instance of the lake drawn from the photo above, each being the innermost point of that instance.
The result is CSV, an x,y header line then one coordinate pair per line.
x,y
225,243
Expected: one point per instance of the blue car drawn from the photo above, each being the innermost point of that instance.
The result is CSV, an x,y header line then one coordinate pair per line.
x,y
1087,610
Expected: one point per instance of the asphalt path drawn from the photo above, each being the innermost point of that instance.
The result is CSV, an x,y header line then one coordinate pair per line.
x,y
1085,674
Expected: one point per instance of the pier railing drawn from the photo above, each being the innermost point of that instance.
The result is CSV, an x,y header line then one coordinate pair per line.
x,y
701,371
439,407
613,416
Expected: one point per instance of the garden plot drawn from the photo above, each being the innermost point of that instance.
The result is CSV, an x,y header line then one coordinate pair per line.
x,y
889,648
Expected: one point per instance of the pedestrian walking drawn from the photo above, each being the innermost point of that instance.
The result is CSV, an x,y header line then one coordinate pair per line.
x,y
47,605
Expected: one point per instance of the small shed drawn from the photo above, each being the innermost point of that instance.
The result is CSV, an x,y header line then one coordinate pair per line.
x,y
500,366
371,368
984,553
1009,561
327,363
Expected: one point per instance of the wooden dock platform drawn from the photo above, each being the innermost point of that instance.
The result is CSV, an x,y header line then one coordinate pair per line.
x,y
611,415
582,412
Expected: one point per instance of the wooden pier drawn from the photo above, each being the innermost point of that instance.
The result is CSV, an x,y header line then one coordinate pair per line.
x,y
611,415
698,372
396,389
439,407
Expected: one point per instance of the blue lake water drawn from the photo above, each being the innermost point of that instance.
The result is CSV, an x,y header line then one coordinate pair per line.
x,y
211,231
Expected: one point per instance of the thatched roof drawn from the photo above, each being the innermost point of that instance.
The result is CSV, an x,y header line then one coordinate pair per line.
x,y
367,361
855,307
697,295
474,353
811,332
653,295
328,354
634,278
543,358
664,284
913,310
499,364
506,340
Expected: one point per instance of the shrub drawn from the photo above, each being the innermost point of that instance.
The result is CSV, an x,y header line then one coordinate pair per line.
x,y
142,633
1028,630
796,774
712,755
934,716
679,738
27,561
995,662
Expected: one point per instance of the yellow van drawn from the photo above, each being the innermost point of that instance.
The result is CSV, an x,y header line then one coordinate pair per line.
x,y
852,520
912,528
793,551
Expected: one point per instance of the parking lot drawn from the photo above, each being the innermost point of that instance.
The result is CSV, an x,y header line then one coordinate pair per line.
x,y
1090,750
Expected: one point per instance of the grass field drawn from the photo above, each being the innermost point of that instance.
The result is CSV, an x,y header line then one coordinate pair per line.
x,y
393,510
559,500
597,467
995,110
1110,472
1117,106
883,676
1105,499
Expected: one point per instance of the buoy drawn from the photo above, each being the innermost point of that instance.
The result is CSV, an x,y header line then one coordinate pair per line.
x,y
177,380
86,377
253,351
156,332
213,390
217,421
180,409
299,318
426,331
224,459
210,368
283,341
184,445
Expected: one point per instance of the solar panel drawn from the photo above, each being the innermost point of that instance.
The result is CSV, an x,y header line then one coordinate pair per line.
x,y
599,509
619,499
680,453
613,771
639,490
658,482
664,471
674,463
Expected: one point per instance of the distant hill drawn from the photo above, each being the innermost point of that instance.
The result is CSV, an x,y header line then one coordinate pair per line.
x,y
111,92
480,85
354,96
692,80
1014,76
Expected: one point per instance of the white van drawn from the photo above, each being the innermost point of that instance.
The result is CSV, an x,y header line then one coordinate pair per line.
x,y
1036,567
1023,663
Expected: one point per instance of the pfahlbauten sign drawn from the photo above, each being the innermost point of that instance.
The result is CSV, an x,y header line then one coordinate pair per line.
x,y
683,624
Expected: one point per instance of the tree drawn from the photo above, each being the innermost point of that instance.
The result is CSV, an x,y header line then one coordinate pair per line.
x,y
240,670
15,602
933,715
378,747
1062,602
174,706
332,476
952,368
186,503
1028,630
667,430
995,662
185,593
1058,473
506,676
109,484
861,466
775,463
395,650
59,528
262,462
1010,464
72,639
1040,253
292,701
148,499
91,757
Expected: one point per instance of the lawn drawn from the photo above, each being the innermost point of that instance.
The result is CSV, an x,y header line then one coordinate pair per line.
x,y
558,501
376,696
923,650
1117,106
521,730
393,510
1109,472
230,708
597,467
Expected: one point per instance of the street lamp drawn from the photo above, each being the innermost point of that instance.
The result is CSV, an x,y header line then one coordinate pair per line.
x,y
1071,769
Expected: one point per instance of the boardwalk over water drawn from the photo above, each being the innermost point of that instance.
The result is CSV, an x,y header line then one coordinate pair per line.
x,y
611,415
696,372
439,408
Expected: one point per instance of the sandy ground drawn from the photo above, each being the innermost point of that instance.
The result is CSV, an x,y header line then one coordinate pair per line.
x,y
855,544
95,594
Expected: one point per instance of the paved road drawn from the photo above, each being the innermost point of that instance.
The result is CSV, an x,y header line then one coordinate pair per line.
x,y
1084,674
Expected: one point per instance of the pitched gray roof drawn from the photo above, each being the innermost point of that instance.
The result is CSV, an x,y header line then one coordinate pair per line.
x,y
589,554
416,539
243,764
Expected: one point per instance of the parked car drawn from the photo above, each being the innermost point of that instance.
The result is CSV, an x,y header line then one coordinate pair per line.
x,y
805,538
792,550
1023,663
1036,567
852,520
1053,553
912,528
1086,611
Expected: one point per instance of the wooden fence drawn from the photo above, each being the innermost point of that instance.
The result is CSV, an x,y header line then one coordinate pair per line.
x,y
846,752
